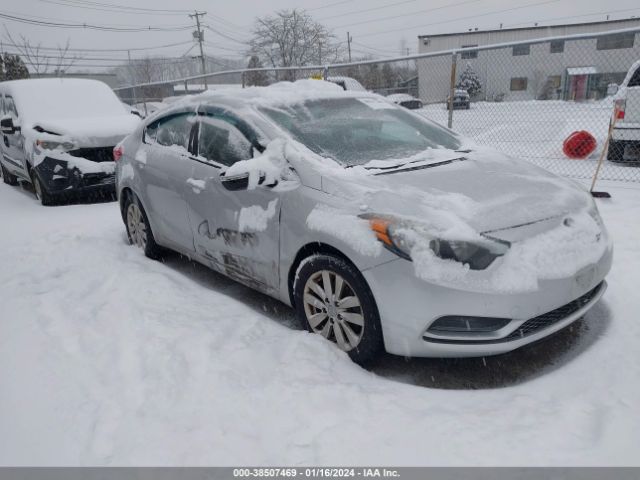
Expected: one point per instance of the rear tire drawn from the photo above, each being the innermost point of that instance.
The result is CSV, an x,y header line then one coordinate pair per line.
x,y
138,228
7,177
615,153
346,314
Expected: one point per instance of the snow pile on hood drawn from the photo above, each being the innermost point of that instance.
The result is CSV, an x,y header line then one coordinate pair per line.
x,y
482,198
558,253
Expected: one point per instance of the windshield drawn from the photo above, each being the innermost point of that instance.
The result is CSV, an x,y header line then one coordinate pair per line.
x,y
354,131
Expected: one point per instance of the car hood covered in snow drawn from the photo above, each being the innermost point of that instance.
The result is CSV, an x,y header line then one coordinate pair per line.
x,y
93,131
487,190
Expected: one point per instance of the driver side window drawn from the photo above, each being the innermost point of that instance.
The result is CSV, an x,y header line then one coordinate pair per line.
x,y
222,143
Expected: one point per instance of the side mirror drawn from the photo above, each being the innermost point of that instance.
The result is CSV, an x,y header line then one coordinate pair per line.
x,y
241,182
236,182
7,127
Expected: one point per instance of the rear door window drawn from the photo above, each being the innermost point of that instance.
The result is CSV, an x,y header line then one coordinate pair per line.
x,y
221,142
173,130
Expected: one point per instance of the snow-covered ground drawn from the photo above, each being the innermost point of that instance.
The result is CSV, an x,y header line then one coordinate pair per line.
x,y
534,130
109,358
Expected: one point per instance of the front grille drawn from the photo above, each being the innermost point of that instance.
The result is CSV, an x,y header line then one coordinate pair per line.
x,y
532,325
547,319
101,154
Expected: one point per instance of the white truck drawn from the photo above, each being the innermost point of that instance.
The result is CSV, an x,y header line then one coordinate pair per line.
x,y
625,137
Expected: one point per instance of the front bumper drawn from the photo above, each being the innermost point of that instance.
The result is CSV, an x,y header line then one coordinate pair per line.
x,y
408,306
58,177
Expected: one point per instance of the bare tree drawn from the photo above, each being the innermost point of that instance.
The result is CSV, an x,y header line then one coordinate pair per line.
x,y
292,38
40,61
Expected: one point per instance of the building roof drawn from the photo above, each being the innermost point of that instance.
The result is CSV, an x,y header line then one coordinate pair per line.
x,y
540,27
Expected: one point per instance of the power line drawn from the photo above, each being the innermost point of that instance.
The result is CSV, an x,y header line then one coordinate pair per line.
x,y
208,27
34,21
381,7
105,49
573,16
127,7
106,9
403,29
410,14
329,5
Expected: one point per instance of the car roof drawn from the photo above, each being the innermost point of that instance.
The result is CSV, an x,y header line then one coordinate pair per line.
x,y
276,95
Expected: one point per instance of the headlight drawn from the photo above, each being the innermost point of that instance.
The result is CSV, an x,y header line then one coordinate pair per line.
x,y
53,145
401,237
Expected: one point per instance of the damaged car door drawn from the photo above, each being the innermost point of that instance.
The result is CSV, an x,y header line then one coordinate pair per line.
x,y
235,228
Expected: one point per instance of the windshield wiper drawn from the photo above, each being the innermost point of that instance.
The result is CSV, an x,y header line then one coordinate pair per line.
x,y
420,167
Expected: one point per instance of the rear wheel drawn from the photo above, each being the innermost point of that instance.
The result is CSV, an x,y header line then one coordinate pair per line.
x,y
138,228
7,177
333,299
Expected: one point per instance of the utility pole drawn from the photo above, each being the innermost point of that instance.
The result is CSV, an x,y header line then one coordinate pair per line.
x,y
320,53
199,36
349,38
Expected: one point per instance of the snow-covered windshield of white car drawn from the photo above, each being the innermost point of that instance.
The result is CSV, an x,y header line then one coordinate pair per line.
x,y
354,131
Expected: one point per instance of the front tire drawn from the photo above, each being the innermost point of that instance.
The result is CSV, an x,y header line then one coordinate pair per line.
x,y
333,299
44,197
138,228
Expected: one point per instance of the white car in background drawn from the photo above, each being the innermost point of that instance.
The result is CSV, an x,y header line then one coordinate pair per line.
x,y
405,100
59,134
347,83
625,137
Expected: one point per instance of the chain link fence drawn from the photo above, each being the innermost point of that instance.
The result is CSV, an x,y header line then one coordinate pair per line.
x,y
522,98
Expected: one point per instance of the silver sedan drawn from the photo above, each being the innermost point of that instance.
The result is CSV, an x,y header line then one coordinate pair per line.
x,y
384,231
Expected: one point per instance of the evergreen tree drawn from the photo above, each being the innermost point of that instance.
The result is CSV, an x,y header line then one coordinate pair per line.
x,y
256,79
14,67
469,81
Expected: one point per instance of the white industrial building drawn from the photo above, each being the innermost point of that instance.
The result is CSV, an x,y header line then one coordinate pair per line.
x,y
569,70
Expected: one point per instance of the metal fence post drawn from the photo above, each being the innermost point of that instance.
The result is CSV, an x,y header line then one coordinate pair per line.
x,y
243,79
452,88
325,73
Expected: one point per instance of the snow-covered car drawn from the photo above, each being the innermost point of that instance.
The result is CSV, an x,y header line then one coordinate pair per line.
x,y
405,100
347,83
625,137
383,230
461,100
59,135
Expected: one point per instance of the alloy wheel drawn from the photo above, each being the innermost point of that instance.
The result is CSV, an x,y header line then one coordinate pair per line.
x,y
333,309
136,226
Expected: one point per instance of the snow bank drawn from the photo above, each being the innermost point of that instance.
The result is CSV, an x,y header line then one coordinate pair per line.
x,y
124,361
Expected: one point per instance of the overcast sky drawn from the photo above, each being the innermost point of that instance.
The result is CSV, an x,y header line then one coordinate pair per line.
x,y
378,27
